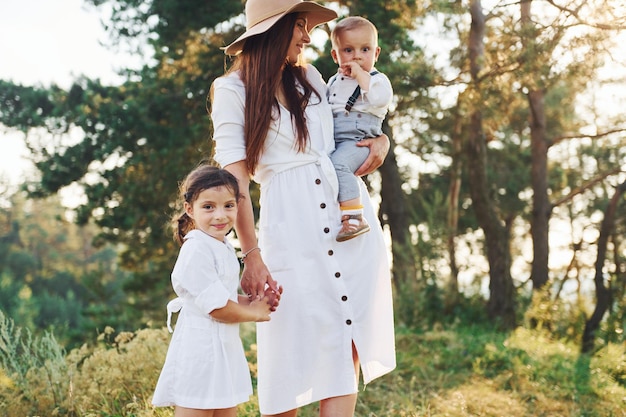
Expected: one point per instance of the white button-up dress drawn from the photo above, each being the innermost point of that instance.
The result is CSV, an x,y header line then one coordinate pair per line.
x,y
205,366
335,294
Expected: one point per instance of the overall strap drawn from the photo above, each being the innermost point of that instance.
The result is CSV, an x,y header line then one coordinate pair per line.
x,y
355,95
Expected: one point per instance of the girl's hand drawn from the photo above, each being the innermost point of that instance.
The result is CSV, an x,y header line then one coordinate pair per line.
x,y
379,147
261,308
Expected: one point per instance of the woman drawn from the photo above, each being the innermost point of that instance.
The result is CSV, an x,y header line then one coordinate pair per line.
x,y
272,123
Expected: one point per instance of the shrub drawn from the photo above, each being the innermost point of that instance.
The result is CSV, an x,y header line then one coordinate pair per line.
x,y
33,378
118,377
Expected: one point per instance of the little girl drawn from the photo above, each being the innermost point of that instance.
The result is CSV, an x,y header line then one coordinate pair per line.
x,y
205,371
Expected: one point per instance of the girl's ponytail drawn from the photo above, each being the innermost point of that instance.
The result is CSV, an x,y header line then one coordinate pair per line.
x,y
183,225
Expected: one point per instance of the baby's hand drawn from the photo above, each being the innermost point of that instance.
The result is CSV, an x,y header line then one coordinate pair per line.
x,y
350,69
273,297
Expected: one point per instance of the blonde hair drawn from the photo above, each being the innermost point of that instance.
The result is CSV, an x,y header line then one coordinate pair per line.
x,y
351,23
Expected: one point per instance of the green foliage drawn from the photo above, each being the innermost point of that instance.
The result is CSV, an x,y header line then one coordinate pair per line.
x,y
450,370
611,360
562,319
453,372
546,370
167,22
140,139
33,373
51,276
419,305
26,107
117,377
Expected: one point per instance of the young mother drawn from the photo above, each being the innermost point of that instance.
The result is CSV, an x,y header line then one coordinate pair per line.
x,y
272,124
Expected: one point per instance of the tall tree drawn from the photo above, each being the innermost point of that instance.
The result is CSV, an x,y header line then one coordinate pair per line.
x,y
603,293
501,303
542,53
550,83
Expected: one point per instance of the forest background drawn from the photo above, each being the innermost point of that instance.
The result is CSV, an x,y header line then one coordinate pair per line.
x,y
502,199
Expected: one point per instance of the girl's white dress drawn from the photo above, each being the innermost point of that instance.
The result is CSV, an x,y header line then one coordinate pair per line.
x,y
334,293
205,366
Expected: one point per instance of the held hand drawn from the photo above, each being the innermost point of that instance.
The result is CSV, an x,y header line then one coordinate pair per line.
x,y
261,308
273,297
379,147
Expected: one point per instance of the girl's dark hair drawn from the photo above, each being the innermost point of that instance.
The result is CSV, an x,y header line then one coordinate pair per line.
x,y
263,68
200,179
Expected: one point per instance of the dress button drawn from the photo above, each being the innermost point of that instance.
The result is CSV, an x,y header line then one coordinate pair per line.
x,y
326,229
323,205
337,274
358,115
330,253
348,322
344,298
318,181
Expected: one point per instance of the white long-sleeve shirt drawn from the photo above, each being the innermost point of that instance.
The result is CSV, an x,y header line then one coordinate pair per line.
x,y
375,100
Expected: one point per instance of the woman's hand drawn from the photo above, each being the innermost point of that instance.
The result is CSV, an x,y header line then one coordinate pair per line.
x,y
256,278
379,147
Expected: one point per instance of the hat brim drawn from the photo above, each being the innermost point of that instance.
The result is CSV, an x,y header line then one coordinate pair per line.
x,y
316,15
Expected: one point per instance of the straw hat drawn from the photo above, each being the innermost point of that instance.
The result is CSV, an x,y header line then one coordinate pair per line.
x,y
261,15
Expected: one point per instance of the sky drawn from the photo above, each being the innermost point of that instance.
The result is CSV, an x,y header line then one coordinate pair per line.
x,y
44,42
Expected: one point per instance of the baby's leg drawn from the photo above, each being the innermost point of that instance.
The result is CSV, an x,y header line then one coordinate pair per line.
x,y
347,158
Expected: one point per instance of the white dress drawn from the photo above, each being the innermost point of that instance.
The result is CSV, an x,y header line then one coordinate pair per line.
x,y
334,293
205,366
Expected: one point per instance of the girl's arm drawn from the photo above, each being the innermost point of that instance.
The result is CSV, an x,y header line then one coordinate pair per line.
x,y
255,275
256,310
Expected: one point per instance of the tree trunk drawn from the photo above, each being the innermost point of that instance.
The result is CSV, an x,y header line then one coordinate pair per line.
x,y
394,212
451,295
603,293
542,208
501,305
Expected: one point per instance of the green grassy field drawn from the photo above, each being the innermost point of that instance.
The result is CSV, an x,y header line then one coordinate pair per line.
x,y
443,372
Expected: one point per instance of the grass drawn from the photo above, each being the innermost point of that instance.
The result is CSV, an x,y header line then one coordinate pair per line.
x,y
457,372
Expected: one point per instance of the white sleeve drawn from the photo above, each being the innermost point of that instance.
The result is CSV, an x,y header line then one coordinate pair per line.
x,y
317,81
227,113
196,277
380,92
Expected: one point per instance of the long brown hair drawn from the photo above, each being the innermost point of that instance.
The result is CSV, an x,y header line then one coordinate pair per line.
x,y
263,68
